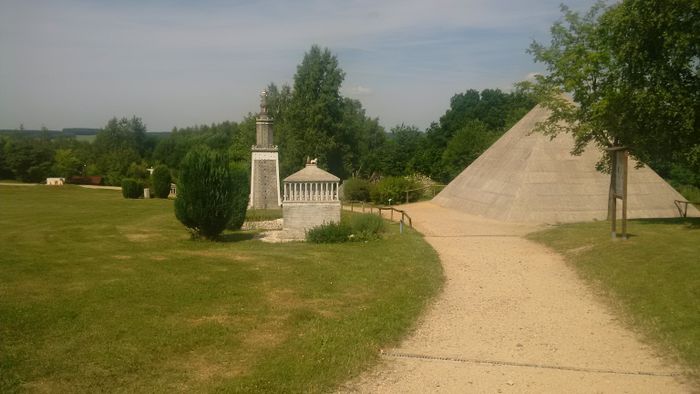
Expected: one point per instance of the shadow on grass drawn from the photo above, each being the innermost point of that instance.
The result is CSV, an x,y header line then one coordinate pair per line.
x,y
236,237
690,223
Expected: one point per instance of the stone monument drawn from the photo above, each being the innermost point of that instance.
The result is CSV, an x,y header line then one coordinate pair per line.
x,y
264,169
310,199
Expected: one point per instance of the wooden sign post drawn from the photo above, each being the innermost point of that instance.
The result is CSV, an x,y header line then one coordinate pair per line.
x,y
618,188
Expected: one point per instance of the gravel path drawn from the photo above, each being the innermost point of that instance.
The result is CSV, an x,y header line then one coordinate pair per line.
x,y
512,318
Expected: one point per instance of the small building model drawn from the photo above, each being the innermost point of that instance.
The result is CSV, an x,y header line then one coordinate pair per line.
x,y
265,169
310,199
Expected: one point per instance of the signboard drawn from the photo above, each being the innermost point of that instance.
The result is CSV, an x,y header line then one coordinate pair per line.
x,y
618,188
620,172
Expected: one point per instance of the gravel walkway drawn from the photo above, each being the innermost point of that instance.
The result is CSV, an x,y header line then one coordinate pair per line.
x,y
512,318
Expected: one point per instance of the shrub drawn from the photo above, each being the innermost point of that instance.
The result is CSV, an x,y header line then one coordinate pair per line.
x,y
366,226
393,188
205,199
356,189
240,196
132,188
329,233
160,181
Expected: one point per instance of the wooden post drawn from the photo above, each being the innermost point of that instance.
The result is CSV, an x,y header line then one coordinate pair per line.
x,y
618,189
624,195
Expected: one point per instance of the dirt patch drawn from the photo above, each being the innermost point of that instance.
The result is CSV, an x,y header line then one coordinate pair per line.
x,y
221,319
141,237
122,257
217,253
202,368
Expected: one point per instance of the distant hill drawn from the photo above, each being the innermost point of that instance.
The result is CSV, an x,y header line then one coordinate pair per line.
x,y
81,133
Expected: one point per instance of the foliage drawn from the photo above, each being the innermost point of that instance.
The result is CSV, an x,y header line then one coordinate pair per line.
x,y
206,193
632,70
401,151
66,163
465,146
356,189
132,188
235,138
329,233
240,196
352,227
365,226
160,181
314,120
121,143
29,159
392,190
653,276
473,119
315,113
106,309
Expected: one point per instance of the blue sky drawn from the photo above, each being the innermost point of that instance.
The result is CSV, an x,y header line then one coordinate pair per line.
x,y
179,63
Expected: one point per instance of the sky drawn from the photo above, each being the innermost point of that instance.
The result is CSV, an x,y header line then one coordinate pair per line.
x,y
76,63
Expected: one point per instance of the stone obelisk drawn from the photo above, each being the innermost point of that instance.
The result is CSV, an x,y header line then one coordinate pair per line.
x,y
265,169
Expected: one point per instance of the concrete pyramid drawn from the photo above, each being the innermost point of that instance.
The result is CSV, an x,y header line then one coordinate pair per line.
x,y
526,177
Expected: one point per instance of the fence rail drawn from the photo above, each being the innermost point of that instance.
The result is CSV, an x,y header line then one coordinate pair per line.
x,y
379,210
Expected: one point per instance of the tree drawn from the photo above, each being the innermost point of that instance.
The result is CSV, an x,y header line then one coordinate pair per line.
x,y
239,174
632,70
206,192
466,146
493,110
66,163
160,181
121,143
314,118
29,159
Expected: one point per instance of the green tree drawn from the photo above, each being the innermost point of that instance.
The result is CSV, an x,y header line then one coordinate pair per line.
x,y
241,179
29,159
465,146
315,114
206,192
160,181
492,109
121,143
400,151
632,71
67,163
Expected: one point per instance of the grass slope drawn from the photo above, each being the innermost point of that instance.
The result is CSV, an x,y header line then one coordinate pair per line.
x,y
654,277
100,293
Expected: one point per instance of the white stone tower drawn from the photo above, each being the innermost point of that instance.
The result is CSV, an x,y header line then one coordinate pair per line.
x,y
264,169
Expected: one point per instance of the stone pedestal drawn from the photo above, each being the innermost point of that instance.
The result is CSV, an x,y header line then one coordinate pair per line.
x,y
264,179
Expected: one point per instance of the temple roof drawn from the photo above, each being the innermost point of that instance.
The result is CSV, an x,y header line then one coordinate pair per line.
x,y
311,173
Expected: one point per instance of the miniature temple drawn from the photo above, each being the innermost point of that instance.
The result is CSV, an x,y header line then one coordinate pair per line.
x,y
310,199
264,170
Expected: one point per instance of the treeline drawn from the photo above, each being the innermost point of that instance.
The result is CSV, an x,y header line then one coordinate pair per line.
x,y
312,119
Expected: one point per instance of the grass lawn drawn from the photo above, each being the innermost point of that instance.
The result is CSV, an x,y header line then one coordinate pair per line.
x,y
101,293
653,278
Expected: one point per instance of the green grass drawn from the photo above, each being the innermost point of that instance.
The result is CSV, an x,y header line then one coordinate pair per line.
x,y
101,293
653,278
